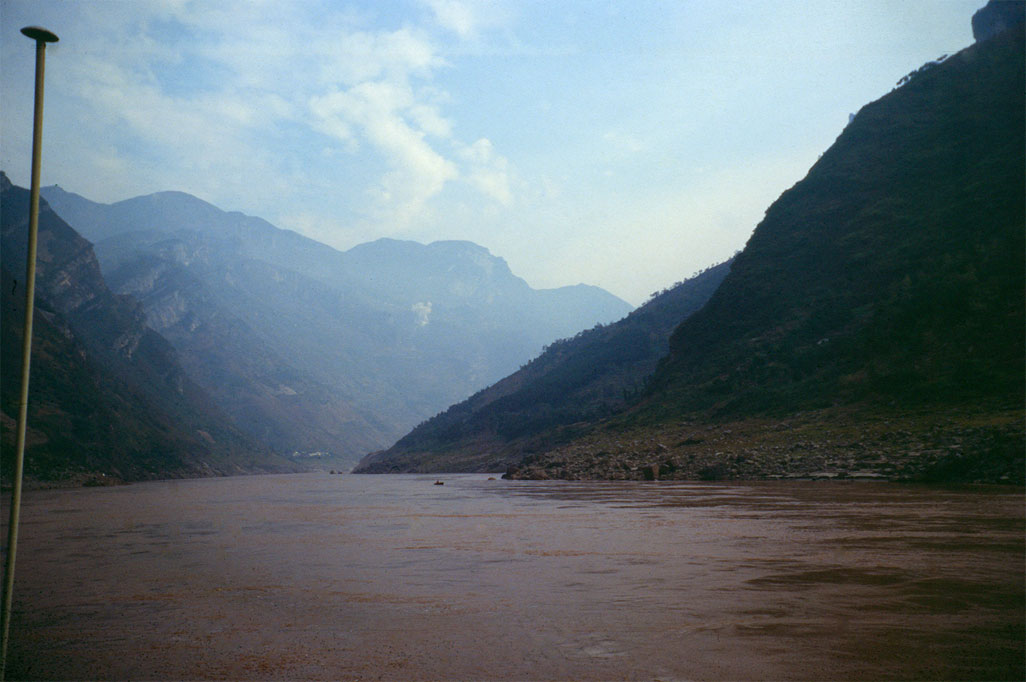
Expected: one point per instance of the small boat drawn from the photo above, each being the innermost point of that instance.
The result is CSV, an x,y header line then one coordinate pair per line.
x,y
439,482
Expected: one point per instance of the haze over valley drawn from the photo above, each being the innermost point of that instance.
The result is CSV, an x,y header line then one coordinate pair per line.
x,y
307,350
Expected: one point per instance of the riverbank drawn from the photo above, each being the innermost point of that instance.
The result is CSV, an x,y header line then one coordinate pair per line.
x,y
828,444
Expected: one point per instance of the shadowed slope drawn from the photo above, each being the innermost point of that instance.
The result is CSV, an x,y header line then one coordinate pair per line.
x,y
590,376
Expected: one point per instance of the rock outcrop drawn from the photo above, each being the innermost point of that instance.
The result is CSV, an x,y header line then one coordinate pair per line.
x,y
996,17
309,349
107,393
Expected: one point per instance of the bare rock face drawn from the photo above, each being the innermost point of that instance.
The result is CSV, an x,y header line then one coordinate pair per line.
x,y
367,343
996,17
109,396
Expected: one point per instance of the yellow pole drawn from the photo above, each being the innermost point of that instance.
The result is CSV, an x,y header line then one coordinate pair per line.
x,y
42,37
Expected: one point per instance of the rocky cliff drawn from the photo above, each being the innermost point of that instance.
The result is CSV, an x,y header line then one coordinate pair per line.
x,y
314,350
107,394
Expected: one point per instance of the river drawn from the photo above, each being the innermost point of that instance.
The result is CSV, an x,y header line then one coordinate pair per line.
x,y
318,576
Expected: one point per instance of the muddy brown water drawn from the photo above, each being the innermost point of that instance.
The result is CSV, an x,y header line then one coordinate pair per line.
x,y
317,576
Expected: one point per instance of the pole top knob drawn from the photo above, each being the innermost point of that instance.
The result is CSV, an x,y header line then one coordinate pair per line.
x,y
40,34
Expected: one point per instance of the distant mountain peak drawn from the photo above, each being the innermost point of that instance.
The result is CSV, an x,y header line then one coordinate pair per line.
x,y
384,244
458,246
166,200
390,245
368,341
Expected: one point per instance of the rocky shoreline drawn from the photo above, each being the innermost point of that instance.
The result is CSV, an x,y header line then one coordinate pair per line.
x,y
951,449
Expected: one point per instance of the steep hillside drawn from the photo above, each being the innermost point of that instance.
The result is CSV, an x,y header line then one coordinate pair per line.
x,y
241,330
892,273
107,394
591,376
874,323
311,349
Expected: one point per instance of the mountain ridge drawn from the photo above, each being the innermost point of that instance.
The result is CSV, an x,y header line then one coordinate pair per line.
x,y
312,349
107,394
596,373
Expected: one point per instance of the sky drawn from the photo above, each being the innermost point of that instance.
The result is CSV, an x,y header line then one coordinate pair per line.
x,y
624,144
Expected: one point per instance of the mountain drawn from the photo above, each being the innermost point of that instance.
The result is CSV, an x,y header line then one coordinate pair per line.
x,y
892,273
310,349
874,323
107,395
590,376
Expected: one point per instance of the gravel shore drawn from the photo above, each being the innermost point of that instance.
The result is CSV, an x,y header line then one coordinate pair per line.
x,y
951,449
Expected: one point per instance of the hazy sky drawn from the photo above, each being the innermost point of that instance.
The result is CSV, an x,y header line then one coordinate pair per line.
x,y
625,144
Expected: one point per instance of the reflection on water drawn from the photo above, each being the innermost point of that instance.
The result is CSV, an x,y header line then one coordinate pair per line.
x,y
391,577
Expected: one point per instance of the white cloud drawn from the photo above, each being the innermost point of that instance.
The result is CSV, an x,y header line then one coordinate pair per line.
x,y
454,15
467,18
488,171
382,94
353,57
430,121
219,99
382,113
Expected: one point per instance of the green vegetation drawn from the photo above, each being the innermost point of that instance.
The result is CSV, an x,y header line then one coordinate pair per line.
x,y
576,381
892,274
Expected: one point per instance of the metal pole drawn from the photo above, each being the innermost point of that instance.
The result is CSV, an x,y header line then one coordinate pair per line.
x,y
42,37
